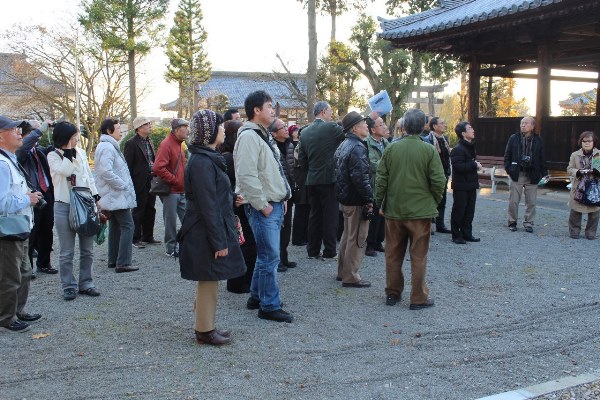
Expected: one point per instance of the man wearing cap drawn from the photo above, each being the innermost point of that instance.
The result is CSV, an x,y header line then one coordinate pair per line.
x,y
261,181
33,159
355,194
286,153
16,198
318,144
170,167
408,188
139,155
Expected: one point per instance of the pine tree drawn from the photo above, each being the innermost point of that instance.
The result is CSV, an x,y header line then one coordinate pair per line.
x,y
130,26
188,63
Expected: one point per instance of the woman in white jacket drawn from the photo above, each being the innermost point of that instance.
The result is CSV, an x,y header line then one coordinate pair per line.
x,y
116,195
69,167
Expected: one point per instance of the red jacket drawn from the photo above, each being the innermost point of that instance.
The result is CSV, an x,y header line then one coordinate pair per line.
x,y
166,159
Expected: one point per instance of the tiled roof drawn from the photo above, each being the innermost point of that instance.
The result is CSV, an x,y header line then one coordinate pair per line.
x,y
455,13
578,98
237,85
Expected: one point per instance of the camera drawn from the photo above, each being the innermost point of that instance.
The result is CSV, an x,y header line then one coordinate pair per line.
x,y
41,203
525,161
367,212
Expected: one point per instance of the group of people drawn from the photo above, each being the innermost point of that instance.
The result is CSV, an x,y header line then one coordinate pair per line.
x,y
234,199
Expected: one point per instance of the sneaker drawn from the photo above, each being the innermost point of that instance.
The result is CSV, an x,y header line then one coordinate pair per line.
x,y
276,315
15,327
26,317
317,257
512,227
173,253
139,245
49,269
69,294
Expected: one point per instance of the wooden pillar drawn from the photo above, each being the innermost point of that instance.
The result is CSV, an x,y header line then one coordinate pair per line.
x,y
542,106
474,84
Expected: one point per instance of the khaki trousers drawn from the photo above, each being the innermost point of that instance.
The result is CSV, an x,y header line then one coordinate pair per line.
x,y
514,198
206,305
352,244
398,234
15,276
591,225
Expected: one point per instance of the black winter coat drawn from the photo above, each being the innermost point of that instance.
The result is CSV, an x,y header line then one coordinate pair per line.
x,y
464,166
353,184
513,155
137,161
209,224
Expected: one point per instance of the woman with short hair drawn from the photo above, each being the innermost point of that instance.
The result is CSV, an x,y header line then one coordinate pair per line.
x,y
69,167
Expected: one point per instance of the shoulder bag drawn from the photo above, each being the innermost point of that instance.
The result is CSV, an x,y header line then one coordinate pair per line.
x,y
158,186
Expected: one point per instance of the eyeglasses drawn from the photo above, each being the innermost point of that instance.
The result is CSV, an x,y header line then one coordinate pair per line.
x,y
283,127
588,141
377,126
17,129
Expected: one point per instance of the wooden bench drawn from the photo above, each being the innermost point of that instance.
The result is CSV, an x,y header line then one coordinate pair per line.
x,y
493,167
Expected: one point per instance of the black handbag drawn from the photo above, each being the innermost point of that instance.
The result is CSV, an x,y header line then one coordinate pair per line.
x,y
83,214
158,186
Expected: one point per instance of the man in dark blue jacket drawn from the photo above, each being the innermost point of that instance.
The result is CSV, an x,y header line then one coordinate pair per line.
x,y
355,194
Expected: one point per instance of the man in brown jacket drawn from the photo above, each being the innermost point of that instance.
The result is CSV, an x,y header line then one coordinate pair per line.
x,y
170,166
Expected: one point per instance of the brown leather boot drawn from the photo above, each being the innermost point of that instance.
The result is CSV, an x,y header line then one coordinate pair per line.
x,y
211,337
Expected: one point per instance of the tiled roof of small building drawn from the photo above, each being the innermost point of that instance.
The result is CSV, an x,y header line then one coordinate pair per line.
x,y
237,85
578,98
455,13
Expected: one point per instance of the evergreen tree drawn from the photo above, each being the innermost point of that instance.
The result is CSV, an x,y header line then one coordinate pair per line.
x,y
130,26
188,63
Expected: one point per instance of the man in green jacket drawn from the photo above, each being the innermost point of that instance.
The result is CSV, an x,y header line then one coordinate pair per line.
x,y
409,185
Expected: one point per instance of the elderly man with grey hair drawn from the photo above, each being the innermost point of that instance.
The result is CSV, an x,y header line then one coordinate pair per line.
x,y
409,186
317,146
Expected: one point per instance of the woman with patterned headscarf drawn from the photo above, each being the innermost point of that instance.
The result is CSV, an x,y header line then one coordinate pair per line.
x,y
209,247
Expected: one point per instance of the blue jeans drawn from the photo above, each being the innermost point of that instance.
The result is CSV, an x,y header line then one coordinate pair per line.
x,y
266,233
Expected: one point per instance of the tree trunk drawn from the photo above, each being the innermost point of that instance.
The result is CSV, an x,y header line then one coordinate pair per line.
x,y
132,96
333,22
311,72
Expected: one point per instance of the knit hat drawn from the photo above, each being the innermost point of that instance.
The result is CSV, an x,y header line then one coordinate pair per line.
x,y
177,122
203,128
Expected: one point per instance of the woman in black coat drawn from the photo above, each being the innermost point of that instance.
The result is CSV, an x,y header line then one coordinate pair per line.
x,y
209,244
465,183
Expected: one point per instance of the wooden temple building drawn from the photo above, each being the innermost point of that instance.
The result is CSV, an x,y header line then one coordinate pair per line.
x,y
499,38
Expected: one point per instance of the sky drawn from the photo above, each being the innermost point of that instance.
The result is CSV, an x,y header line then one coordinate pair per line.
x,y
243,35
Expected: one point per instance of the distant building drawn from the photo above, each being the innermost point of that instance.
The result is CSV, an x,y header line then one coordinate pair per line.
x,y
17,76
579,103
227,89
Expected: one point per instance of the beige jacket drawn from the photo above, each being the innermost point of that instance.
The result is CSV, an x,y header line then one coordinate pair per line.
x,y
575,165
61,168
256,169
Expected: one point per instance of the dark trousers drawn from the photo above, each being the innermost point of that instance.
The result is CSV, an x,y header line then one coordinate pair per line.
x,y
463,211
41,237
285,234
241,284
144,214
376,229
439,221
322,221
300,224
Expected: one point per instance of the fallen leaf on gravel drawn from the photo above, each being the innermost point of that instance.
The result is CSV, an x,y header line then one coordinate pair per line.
x,y
40,335
395,342
80,354
301,386
397,331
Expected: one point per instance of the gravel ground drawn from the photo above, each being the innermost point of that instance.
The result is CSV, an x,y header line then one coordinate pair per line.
x,y
590,391
515,310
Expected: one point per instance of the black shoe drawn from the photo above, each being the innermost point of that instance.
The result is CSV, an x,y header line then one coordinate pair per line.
x,y
472,239
93,292
112,266
432,233
370,252
512,227
139,245
337,278
379,247
290,264
529,229
442,229
49,269
69,294
299,243
360,284
15,327
125,268
330,257
151,241
459,241
281,268
33,276
28,317
428,303
392,299
317,257
276,315
253,303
